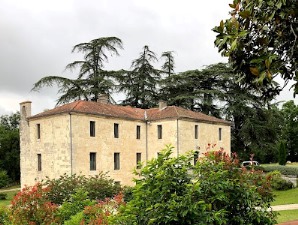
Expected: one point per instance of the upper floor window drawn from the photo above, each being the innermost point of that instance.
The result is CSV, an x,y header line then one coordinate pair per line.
x,y
92,161
138,132
220,133
39,162
116,130
92,128
38,130
138,160
196,131
116,161
159,131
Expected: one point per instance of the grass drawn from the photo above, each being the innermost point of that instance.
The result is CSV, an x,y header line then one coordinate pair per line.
x,y
286,197
10,194
294,164
287,215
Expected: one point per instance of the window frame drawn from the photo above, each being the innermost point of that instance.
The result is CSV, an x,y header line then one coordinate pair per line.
x,y
116,160
159,131
39,162
116,130
196,131
138,132
92,128
92,161
38,131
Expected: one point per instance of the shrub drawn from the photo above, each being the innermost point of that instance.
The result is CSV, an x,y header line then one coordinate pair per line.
x,y
77,202
282,156
215,191
97,214
277,182
4,218
31,206
98,187
242,196
4,179
285,170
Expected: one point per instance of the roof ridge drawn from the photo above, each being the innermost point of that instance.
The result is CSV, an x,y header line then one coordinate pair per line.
x,y
176,111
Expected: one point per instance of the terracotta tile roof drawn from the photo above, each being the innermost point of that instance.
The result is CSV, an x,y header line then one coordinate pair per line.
x,y
127,112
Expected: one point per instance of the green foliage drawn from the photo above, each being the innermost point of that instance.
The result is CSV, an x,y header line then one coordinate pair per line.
x,y
172,191
31,206
140,84
76,203
4,216
285,170
260,39
127,192
10,146
92,80
232,191
290,129
4,179
165,194
98,187
277,182
282,157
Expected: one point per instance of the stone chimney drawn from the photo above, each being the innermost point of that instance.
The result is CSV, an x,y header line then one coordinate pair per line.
x,y
25,109
103,98
162,105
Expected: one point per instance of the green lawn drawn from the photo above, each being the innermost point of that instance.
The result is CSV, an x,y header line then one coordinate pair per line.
x,y
10,195
286,197
287,215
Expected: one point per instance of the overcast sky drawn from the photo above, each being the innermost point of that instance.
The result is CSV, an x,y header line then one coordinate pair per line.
x,y
37,37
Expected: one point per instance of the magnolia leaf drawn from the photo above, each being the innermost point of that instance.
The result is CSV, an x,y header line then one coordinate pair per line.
x,y
254,71
268,63
269,75
244,14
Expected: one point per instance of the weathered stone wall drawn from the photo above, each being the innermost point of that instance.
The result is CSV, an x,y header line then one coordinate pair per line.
x,y
65,144
104,144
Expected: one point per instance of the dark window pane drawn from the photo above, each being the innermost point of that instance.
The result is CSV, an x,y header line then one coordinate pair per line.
x,y
196,131
38,131
159,131
39,162
92,128
138,132
116,130
92,161
117,161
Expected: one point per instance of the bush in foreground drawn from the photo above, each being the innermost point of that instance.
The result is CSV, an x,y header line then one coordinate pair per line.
x,y
215,191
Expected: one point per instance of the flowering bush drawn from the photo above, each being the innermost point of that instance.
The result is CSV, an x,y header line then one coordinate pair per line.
x,y
98,214
31,206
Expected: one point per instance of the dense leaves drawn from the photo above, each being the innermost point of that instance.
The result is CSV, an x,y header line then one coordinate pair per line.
x,y
10,145
260,39
92,79
214,191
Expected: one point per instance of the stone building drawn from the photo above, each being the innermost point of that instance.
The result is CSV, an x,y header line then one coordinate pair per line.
x,y
89,137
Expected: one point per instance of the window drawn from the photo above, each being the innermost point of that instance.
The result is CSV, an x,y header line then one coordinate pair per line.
x,y
39,162
196,157
116,130
92,128
196,131
116,161
159,131
139,158
138,132
38,130
92,161
219,134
